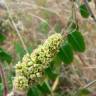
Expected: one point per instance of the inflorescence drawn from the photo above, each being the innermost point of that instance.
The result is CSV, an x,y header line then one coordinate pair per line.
x,y
31,68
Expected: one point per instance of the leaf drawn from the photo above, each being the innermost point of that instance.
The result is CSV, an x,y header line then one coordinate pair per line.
x,y
58,27
43,27
1,89
84,11
76,40
19,49
2,37
34,91
4,56
50,73
45,87
84,92
56,63
66,53
30,49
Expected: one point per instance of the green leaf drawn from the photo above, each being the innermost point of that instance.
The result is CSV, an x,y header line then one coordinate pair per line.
x,y
19,49
30,49
84,92
76,40
50,73
58,27
2,37
56,64
43,27
1,89
4,56
45,87
66,53
57,61
34,91
84,11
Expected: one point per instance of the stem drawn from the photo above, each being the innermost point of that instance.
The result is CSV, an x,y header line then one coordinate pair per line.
x,y
81,59
55,84
3,77
89,9
89,84
75,20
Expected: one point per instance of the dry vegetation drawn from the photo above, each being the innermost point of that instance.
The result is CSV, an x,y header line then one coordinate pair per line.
x,y
30,13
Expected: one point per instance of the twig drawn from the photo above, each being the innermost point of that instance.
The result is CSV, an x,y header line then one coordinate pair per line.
x,y
89,9
81,59
55,84
89,84
2,73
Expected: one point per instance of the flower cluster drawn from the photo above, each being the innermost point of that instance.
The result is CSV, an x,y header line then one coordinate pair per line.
x,y
32,66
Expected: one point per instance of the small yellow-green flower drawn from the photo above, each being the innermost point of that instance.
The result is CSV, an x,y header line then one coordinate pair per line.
x,y
45,53
20,83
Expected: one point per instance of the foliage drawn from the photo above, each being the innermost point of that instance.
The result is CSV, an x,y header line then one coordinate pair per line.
x,y
38,72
